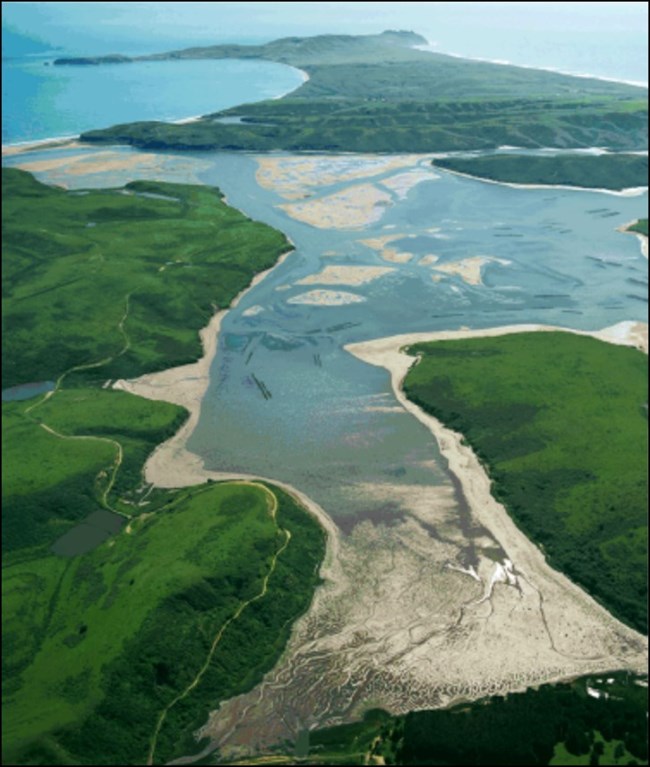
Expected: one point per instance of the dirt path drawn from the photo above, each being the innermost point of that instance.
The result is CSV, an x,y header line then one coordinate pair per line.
x,y
273,507
58,385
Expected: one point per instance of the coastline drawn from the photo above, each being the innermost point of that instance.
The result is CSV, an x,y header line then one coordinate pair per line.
x,y
506,63
632,191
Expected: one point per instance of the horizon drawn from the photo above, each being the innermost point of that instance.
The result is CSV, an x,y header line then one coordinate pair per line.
x,y
605,40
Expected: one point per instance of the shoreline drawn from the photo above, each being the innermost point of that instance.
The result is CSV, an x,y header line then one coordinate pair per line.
x,y
474,481
506,63
172,465
632,191
642,238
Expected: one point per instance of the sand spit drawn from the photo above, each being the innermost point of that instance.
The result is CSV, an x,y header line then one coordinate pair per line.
x,y
353,208
71,142
469,269
388,254
346,275
402,183
642,238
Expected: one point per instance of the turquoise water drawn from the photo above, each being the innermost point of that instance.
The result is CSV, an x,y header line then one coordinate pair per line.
x,y
42,101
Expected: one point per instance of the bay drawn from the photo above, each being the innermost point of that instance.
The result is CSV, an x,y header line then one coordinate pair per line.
x,y
42,101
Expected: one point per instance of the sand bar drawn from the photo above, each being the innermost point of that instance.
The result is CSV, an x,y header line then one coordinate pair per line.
x,y
469,269
294,177
326,298
642,238
346,275
353,208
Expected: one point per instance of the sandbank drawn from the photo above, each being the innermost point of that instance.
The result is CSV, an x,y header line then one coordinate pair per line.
x,y
402,183
67,142
346,275
469,269
294,177
326,298
352,208
389,254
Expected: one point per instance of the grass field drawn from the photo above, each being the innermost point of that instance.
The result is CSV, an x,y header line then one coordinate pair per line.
x,y
599,172
560,421
115,654
376,93
97,646
113,275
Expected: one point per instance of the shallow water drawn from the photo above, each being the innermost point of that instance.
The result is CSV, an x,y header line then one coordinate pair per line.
x,y
330,426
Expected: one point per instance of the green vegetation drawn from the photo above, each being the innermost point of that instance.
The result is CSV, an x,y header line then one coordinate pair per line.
x,y
376,93
117,653
641,227
560,421
96,647
555,724
597,172
117,277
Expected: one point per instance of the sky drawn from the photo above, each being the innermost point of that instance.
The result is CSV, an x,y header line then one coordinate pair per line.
x,y
569,36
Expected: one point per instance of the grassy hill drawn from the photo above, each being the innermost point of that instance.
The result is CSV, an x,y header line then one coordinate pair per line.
x,y
115,647
377,93
597,172
560,421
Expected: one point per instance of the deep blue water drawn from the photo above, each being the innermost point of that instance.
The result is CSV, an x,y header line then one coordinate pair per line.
x,y
41,101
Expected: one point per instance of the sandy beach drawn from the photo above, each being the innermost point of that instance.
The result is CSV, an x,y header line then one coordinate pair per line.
x,y
65,142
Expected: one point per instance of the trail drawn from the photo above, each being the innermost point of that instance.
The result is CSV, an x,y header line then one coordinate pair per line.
x,y
273,507
58,385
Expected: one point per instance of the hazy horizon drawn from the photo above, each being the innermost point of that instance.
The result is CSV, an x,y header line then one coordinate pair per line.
x,y
602,39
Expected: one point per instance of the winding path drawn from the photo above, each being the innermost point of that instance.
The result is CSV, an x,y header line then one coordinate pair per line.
x,y
273,507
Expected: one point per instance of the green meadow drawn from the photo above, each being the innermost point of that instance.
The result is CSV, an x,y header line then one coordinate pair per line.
x,y
560,422
117,281
115,653
97,646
